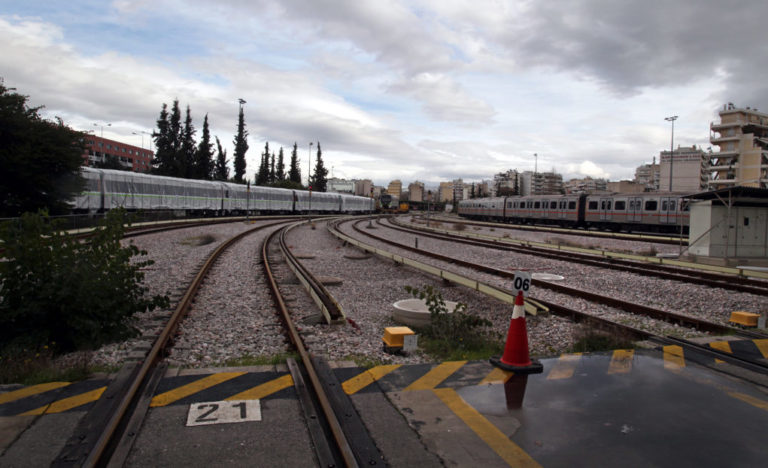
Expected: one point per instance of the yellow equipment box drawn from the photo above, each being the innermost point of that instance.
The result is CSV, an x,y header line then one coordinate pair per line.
x,y
393,336
746,319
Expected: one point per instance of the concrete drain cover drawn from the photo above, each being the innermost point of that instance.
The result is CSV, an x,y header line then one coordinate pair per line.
x,y
414,312
547,277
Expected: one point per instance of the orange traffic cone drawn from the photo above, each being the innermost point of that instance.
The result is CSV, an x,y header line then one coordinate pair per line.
x,y
516,357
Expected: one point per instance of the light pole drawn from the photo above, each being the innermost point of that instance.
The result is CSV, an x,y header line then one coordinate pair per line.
x,y
535,172
671,148
102,127
142,133
309,167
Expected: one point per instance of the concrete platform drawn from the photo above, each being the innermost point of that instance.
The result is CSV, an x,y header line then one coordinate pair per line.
x,y
623,408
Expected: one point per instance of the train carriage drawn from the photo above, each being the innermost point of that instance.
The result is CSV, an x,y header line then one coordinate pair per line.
x,y
318,202
659,212
352,204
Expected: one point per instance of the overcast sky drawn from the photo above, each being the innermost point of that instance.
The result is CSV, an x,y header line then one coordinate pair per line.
x,y
412,90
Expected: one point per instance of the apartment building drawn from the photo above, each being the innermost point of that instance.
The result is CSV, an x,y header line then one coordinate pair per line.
x,y
649,176
132,158
395,188
416,191
742,139
689,166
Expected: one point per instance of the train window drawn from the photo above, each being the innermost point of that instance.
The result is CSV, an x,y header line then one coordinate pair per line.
x,y
553,205
672,204
651,205
621,205
602,204
572,205
536,205
593,205
632,205
663,205
608,205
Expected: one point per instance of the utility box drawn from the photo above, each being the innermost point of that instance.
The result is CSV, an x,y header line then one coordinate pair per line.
x,y
399,339
730,223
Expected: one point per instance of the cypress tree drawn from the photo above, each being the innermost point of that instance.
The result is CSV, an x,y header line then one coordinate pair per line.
x,y
221,171
187,157
204,155
320,177
280,170
162,164
175,138
294,173
272,177
241,147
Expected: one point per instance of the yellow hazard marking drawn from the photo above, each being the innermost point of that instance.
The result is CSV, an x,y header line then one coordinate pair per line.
x,y
29,391
621,362
673,357
762,345
756,402
192,388
66,404
359,382
496,376
509,451
436,376
565,367
265,389
723,346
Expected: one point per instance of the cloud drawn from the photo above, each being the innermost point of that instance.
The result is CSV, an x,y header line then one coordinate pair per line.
x,y
444,99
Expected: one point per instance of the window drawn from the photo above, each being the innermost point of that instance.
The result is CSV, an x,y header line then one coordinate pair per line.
x,y
602,205
621,205
651,205
553,205
672,205
536,205
664,205
593,205
572,205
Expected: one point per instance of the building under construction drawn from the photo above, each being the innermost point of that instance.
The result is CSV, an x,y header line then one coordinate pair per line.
x,y
742,136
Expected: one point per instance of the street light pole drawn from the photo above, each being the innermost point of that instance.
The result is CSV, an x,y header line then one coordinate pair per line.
x,y
142,138
671,148
535,172
309,167
102,127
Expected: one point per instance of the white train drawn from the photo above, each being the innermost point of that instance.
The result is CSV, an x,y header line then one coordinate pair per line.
x,y
106,189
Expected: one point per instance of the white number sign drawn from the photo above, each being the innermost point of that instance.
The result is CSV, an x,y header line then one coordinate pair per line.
x,y
223,412
521,282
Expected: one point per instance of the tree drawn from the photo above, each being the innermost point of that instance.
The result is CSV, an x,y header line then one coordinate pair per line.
x,y
280,169
39,159
57,289
294,173
241,147
272,177
163,161
177,161
110,162
262,177
221,171
204,155
188,155
320,177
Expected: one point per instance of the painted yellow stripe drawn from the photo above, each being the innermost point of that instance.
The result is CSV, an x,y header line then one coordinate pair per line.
x,y
756,402
436,376
723,346
509,451
565,367
193,387
496,376
359,382
29,391
762,345
673,357
621,362
265,389
65,404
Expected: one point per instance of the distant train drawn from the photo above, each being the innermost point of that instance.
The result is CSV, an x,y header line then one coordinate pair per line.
x,y
107,189
648,212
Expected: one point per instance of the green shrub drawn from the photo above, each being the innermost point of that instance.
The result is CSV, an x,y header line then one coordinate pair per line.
x,y
455,335
69,294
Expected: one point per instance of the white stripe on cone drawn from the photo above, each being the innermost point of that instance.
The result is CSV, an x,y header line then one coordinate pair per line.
x,y
519,310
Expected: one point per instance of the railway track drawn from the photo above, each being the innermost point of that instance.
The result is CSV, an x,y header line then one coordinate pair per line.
x,y
105,435
636,236
633,308
728,282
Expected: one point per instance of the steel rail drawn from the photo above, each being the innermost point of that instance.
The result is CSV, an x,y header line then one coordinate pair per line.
x,y
659,314
745,285
109,432
338,434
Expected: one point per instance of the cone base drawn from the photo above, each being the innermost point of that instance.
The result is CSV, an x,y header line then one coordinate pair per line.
x,y
535,367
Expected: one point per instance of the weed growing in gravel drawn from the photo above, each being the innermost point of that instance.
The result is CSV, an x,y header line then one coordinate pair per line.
x,y
248,360
365,362
456,335
32,367
590,340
